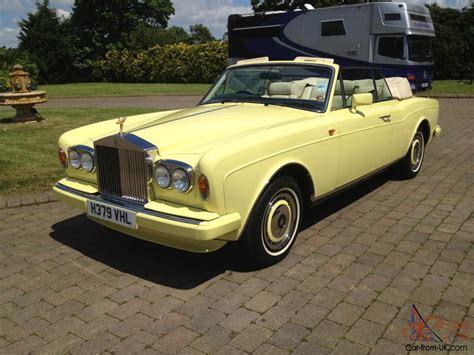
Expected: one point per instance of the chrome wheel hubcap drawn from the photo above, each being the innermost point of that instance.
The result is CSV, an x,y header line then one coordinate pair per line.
x,y
280,221
417,151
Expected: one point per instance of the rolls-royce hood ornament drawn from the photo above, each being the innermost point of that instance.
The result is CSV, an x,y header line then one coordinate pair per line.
x,y
121,121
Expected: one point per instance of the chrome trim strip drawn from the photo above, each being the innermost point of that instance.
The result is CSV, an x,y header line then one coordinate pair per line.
x,y
145,145
84,148
130,206
327,195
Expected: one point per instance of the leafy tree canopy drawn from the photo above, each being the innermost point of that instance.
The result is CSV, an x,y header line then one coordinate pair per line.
x,y
200,34
46,38
144,37
98,24
453,46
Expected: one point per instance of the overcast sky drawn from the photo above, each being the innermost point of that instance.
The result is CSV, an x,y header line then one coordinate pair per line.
x,y
212,13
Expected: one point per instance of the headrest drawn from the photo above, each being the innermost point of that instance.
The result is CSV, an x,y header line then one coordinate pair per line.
x,y
279,88
298,86
349,87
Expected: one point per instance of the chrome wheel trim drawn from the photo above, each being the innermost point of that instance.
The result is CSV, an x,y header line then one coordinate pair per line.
x,y
280,222
417,151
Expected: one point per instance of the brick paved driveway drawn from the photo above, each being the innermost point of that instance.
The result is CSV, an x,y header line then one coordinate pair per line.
x,y
69,285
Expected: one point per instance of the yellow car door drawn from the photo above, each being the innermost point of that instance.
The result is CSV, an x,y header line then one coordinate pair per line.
x,y
365,130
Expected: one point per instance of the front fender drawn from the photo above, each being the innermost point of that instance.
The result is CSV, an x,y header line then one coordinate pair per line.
x,y
242,188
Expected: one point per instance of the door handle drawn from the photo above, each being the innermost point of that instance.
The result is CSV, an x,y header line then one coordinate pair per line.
x,y
386,118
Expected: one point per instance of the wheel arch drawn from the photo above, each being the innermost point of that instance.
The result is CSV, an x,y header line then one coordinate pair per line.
x,y
424,125
302,176
292,169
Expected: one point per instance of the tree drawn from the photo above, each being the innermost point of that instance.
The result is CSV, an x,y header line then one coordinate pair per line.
x,y
47,40
273,5
200,34
453,45
101,25
468,39
144,37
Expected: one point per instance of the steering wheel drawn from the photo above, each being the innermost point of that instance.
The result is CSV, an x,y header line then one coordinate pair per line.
x,y
244,92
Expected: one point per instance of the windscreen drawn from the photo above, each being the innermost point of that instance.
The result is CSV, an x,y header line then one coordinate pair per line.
x,y
420,48
298,86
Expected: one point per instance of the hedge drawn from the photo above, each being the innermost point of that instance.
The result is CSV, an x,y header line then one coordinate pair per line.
x,y
175,63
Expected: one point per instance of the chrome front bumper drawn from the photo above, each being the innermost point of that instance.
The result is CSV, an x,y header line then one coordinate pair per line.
x,y
174,230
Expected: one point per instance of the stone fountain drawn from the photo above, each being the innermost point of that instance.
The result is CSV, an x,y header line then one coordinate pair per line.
x,y
22,99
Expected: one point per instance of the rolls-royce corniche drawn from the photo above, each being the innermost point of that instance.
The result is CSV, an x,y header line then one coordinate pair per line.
x,y
269,139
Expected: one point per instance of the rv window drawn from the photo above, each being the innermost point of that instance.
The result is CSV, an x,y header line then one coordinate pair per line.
x,y
420,48
392,17
392,47
419,18
333,28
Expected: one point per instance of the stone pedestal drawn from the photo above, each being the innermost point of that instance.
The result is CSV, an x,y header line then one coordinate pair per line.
x,y
24,104
22,99
26,113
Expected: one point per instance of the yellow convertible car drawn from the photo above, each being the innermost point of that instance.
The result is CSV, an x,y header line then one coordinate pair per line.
x,y
268,139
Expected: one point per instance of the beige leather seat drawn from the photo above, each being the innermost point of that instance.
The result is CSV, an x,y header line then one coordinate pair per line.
x,y
364,86
349,90
297,89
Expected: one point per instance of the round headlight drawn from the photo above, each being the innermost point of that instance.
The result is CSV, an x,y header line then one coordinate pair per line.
x,y
87,162
162,176
181,181
74,159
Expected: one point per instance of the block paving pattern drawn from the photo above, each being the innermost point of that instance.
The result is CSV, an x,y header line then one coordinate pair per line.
x,y
68,285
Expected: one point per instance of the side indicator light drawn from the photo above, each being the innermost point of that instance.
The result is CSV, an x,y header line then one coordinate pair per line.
x,y
203,184
62,157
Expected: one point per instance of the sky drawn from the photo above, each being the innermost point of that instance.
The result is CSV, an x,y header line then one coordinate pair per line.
x,y
212,13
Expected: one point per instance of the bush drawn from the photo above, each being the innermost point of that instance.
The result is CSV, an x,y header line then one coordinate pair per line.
x,y
453,47
8,58
175,63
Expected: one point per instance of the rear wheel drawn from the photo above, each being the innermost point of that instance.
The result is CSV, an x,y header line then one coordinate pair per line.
x,y
410,165
273,224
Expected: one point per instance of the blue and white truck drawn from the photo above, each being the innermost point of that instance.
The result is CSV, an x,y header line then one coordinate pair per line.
x,y
394,36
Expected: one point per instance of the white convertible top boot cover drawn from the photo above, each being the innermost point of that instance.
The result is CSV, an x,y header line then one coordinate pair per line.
x,y
399,87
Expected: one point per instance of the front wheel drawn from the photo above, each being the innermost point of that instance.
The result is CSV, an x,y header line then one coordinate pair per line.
x,y
273,223
410,165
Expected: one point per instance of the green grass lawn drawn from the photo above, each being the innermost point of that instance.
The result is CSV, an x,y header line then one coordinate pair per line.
x,y
122,89
452,87
440,87
28,159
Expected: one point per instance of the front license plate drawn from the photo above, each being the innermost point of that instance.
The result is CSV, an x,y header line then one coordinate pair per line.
x,y
112,214
424,85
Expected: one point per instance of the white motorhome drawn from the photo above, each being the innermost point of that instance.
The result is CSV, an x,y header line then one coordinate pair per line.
x,y
394,36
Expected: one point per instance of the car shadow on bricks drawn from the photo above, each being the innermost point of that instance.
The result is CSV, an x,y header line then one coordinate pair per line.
x,y
150,261
172,267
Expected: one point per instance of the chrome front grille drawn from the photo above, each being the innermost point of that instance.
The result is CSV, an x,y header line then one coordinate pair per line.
x,y
122,171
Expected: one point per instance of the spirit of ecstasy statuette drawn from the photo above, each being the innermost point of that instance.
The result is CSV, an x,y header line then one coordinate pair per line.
x,y
121,121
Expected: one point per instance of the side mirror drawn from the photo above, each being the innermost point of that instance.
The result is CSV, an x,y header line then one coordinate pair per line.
x,y
361,100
